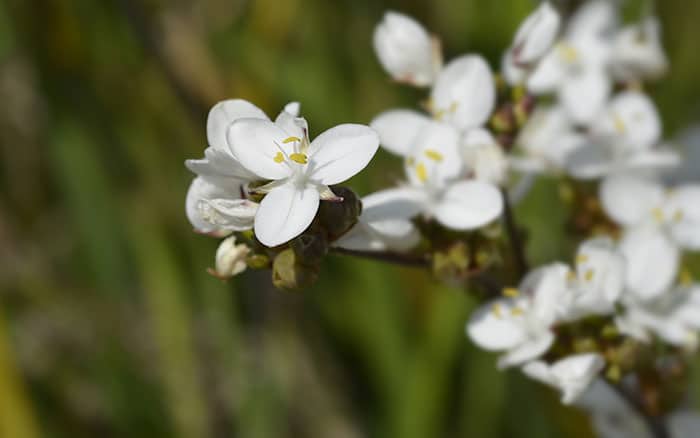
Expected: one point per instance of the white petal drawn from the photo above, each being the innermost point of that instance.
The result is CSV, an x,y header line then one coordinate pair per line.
x,y
218,163
493,327
398,129
233,214
683,209
658,158
548,288
230,258
536,34
684,424
652,261
341,152
601,270
484,157
434,159
548,75
631,121
638,53
285,213
360,238
512,73
468,205
629,200
572,375
291,123
202,189
256,143
593,18
223,114
405,49
464,93
527,351
584,95
398,203
590,161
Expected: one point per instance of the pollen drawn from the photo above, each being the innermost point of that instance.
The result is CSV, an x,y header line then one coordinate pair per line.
x,y
510,292
516,311
291,139
299,158
678,216
421,172
619,124
658,214
571,275
496,310
410,161
434,155
581,258
568,52
588,275
279,157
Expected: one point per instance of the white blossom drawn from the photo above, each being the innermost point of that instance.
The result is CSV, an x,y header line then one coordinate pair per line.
x,y
535,35
484,157
217,207
406,50
638,53
572,375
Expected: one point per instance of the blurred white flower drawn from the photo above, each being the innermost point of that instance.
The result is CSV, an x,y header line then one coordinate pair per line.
x,y
230,258
484,157
535,35
385,223
638,53
520,323
572,375
406,50
300,172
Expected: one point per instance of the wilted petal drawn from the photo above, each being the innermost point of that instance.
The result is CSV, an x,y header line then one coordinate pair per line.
x,y
398,129
629,200
341,152
285,213
405,49
223,114
260,147
202,189
464,93
467,205
230,258
232,214
652,261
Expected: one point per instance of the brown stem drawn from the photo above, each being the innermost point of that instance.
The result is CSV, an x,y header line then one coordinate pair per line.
x,y
514,237
389,257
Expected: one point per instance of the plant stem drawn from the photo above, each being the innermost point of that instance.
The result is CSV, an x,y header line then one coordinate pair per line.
x,y
389,257
516,242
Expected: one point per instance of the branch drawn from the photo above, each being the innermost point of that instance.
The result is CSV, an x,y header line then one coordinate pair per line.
x,y
388,257
516,243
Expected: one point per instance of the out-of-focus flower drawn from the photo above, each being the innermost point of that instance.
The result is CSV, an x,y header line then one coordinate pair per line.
x,y
484,157
406,51
535,35
300,172
572,375
638,53
520,323
385,223
230,258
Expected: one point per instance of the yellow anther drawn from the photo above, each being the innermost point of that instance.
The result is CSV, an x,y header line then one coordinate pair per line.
x,y
453,107
685,277
291,139
588,275
421,173
496,310
678,216
439,114
510,292
571,275
410,161
581,258
658,214
569,53
516,311
279,157
619,124
299,158
433,155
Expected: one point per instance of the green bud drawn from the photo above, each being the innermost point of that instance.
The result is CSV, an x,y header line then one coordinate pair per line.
x,y
503,120
338,217
310,248
258,261
452,265
288,274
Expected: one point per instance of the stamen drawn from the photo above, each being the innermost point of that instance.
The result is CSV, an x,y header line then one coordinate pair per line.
x,y
516,311
496,309
453,107
279,157
581,258
421,172
588,275
410,161
678,216
290,139
433,155
686,277
571,275
619,124
569,53
510,292
299,158
658,214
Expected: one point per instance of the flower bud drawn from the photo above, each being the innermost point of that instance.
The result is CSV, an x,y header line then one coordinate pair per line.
x,y
258,261
289,274
310,248
230,259
338,217
406,51
536,35
452,265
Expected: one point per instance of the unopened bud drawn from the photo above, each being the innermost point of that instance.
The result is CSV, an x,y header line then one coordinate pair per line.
x,y
452,265
230,259
289,274
310,248
258,261
338,217
503,120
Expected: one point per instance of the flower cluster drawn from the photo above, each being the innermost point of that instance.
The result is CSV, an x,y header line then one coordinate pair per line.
x,y
569,102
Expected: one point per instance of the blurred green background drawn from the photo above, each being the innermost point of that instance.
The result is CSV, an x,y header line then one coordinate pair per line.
x,y
109,324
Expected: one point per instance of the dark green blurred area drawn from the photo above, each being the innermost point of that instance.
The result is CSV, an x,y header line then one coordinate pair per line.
x,y
110,325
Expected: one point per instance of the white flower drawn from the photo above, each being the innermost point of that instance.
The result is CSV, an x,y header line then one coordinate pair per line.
x,y
398,129
484,157
546,141
571,375
535,35
520,324
599,279
464,93
638,53
300,172
434,170
230,258
673,316
624,137
217,207
385,223
406,51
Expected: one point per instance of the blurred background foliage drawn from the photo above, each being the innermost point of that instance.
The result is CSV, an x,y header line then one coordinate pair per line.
x,y
109,324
